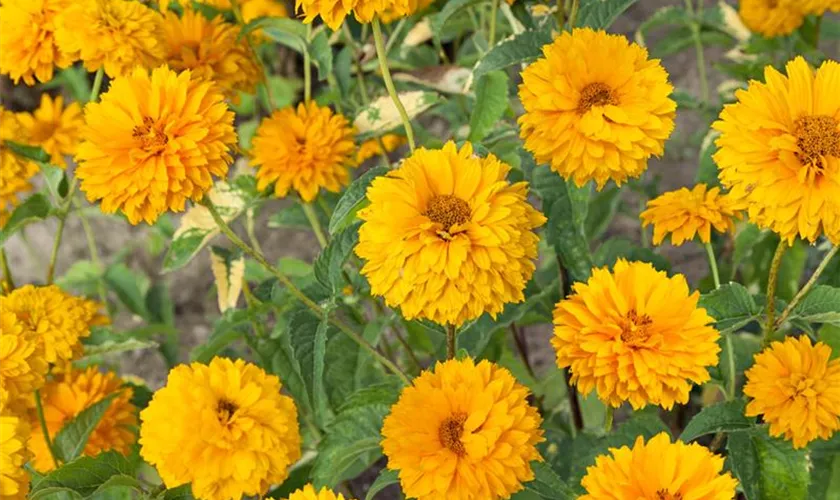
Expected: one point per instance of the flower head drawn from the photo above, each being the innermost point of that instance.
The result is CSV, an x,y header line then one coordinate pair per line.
x,y
685,214
116,35
253,9
308,492
305,148
397,10
59,320
464,431
796,387
211,50
818,7
446,237
333,12
635,335
224,427
71,393
14,453
53,127
153,142
27,48
779,151
772,17
595,107
373,147
669,471
22,363
15,172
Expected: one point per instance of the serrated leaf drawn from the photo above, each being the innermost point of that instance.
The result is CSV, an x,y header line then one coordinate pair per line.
x,y
491,101
73,436
330,262
36,207
352,199
351,445
600,14
385,478
820,305
731,305
120,481
518,49
381,114
768,468
722,417
85,475
308,338
548,485
228,267
183,492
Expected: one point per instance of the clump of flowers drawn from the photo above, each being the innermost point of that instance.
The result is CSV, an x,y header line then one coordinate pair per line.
x,y
22,363
472,421
14,454
333,12
53,127
596,107
28,48
224,427
15,173
685,214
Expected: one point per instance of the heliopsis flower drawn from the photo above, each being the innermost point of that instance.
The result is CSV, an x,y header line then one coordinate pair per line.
x,y
253,9
684,214
14,453
373,147
397,11
59,320
212,50
464,431
446,237
309,492
796,387
53,127
595,107
333,12
27,48
818,7
15,172
659,469
305,148
779,151
154,142
635,335
117,35
71,393
22,363
224,427
772,17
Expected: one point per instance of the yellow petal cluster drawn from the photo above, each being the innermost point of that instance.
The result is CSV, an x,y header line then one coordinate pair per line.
x,y
333,12
59,320
779,151
309,492
596,108
212,50
463,431
253,9
635,335
446,237
53,127
15,172
153,142
372,147
795,386
224,427
306,148
72,392
661,470
684,214
28,49
117,35
22,363
396,11
14,453
772,18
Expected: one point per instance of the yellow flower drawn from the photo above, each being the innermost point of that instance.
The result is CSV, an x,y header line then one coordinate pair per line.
x,y
59,320
154,142
796,388
372,147
224,427
53,127
212,50
446,237
661,470
771,17
635,335
14,453
464,431
15,173
396,11
27,47
305,148
22,363
116,35
308,492
595,107
779,151
818,6
685,214
71,393
253,9
333,12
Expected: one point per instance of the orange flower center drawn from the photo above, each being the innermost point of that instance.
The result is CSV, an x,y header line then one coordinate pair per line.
x,y
817,137
225,410
665,495
450,432
595,94
801,385
634,328
447,210
150,136
42,131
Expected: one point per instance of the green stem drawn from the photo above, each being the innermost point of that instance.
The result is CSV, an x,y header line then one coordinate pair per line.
x,y
732,374
491,38
392,39
62,220
698,47
573,14
97,84
772,279
561,14
312,217
451,333
404,342
608,419
389,84
94,252
307,68
816,41
710,251
8,281
39,408
249,230
807,288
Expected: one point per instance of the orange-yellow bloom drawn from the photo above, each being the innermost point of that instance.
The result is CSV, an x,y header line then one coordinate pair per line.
x,y
333,12
684,214
22,363
53,127
14,453
28,49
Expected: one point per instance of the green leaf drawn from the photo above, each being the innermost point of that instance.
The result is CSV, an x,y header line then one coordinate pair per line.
x,y
183,492
82,277
54,493
491,101
768,468
737,352
731,305
322,55
385,478
450,8
671,15
129,286
600,14
825,478
707,173
329,265
381,115
72,438
350,368
745,240
621,248
279,359
602,209
722,417
122,482
114,347
56,179
820,305
352,199
36,207
308,337
547,484
291,216
85,475
285,31
520,48
830,335
34,153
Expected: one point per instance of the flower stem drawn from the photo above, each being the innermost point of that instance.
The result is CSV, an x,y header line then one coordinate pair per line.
x,y
710,251
450,341
491,38
39,408
574,404
698,46
97,84
94,252
807,288
8,281
561,14
307,68
62,220
294,290
772,279
389,84
608,419
573,14
312,217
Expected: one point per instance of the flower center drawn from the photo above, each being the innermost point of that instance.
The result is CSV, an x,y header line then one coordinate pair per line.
x,y
634,328
447,210
803,386
817,137
663,494
595,94
225,410
450,432
149,135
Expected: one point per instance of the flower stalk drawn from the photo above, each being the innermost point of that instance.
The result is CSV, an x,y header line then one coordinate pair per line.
x,y
451,332
772,280
382,55
807,288
97,84
312,217
39,409
710,252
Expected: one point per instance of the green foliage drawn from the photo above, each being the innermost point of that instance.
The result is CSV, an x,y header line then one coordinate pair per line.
x,y
768,468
